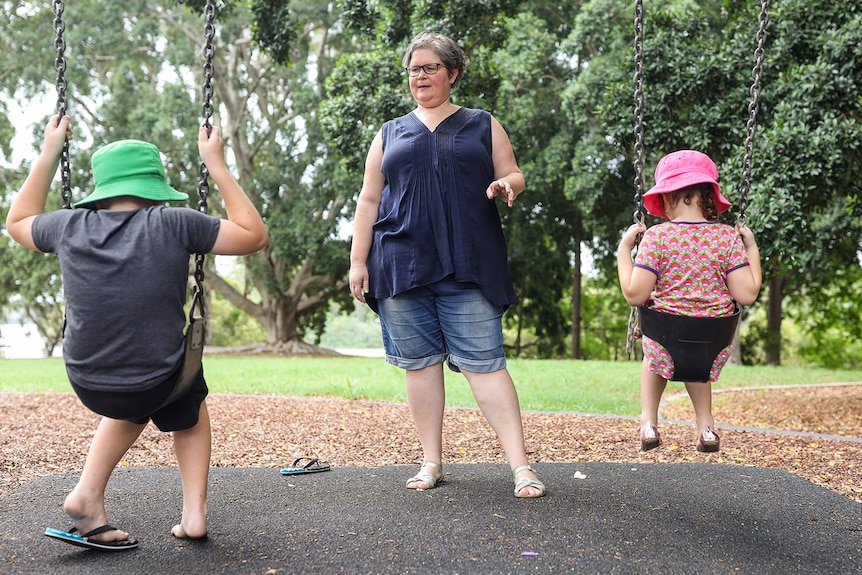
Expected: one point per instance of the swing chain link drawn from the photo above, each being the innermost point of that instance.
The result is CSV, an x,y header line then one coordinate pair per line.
x,y
207,113
751,124
60,66
207,91
638,215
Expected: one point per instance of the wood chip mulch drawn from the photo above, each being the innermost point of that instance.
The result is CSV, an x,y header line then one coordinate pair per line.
x,y
45,434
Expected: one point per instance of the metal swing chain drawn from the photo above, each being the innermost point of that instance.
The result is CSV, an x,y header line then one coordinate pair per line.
x,y
60,66
207,112
638,215
757,74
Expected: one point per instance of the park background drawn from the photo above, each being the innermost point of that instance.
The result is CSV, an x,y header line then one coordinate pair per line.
x,y
300,88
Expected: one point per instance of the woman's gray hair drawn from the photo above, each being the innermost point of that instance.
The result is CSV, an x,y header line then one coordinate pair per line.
x,y
451,54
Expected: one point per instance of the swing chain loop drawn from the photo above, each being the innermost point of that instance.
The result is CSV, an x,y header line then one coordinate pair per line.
x,y
207,91
60,67
209,54
207,113
638,215
639,113
757,74
630,334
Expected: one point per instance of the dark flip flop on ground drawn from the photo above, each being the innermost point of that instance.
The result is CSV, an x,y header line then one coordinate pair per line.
x,y
306,465
74,538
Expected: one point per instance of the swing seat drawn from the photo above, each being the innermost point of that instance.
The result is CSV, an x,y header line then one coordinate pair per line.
x,y
692,342
192,361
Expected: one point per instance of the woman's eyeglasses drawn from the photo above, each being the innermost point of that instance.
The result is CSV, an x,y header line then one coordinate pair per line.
x,y
429,69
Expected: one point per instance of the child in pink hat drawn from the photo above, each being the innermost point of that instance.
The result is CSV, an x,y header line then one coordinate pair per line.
x,y
689,265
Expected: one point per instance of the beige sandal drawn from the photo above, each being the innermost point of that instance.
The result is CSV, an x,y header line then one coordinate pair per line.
x,y
426,477
527,482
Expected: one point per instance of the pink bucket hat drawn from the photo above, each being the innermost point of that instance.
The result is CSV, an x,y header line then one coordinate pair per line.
x,y
679,170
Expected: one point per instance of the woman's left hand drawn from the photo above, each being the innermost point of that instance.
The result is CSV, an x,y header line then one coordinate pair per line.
x,y
358,281
503,189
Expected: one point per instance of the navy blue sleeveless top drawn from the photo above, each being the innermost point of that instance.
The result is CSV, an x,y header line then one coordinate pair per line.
x,y
434,219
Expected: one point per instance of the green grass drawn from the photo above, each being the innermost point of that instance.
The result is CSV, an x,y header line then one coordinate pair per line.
x,y
604,387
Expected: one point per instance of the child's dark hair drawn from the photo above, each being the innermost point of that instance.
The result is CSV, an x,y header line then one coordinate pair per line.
x,y
702,193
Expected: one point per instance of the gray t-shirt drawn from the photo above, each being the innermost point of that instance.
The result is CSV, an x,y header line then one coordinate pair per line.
x,y
125,277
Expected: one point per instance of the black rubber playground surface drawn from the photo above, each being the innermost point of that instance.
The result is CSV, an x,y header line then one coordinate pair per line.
x,y
616,519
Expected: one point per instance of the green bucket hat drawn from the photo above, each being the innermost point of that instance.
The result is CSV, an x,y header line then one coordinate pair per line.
x,y
129,168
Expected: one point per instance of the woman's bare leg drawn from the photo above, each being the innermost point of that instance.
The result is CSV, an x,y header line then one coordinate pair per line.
x,y
426,396
498,399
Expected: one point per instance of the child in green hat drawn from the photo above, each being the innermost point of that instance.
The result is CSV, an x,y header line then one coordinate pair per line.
x,y
125,258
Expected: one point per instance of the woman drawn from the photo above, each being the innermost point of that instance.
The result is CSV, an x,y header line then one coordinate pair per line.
x,y
429,255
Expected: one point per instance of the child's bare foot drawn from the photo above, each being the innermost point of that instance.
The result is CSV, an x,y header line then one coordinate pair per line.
x,y
190,529
88,513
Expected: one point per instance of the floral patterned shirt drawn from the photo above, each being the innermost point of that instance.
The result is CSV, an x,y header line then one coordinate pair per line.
x,y
691,261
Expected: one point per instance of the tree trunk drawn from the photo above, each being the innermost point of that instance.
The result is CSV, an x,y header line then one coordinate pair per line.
x,y
576,304
520,318
773,320
736,350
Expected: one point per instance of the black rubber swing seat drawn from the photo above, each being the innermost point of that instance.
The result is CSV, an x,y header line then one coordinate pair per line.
x,y
692,342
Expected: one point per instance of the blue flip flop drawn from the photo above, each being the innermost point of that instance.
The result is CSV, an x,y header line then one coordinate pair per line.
x,y
74,538
313,465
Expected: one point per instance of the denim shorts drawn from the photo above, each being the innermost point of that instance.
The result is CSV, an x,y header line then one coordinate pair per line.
x,y
446,320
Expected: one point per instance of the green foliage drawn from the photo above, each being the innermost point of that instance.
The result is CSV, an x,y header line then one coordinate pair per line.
x,y
754,337
351,114
37,293
830,348
7,132
229,326
517,73
275,28
135,75
597,103
606,316
826,321
559,78
697,67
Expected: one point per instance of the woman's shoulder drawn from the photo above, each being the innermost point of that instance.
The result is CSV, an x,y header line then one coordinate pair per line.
x,y
475,113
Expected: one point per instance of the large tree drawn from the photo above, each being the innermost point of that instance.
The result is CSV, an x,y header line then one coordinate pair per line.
x,y
137,75
805,207
807,197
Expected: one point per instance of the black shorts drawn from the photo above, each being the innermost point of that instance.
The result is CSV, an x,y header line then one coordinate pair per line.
x,y
143,406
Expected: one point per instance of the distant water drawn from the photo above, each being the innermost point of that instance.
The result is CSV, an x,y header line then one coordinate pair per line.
x,y
21,342
361,352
